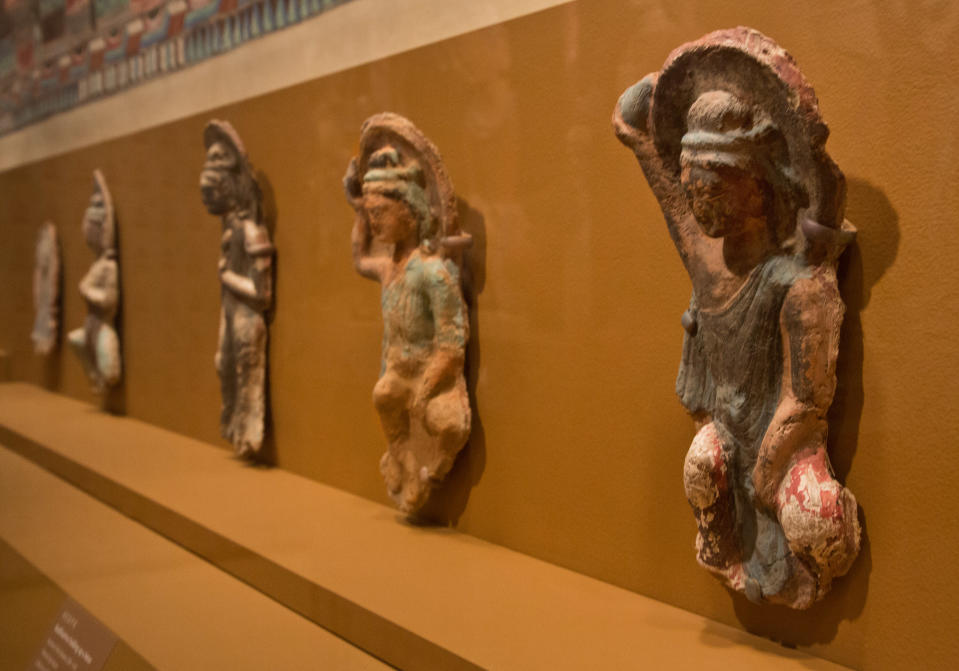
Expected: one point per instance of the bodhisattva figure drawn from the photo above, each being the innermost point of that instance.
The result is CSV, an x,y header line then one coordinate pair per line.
x,y
229,189
406,237
731,141
46,290
97,343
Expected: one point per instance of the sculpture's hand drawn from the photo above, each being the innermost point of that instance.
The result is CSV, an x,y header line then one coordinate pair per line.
x,y
352,185
633,106
360,240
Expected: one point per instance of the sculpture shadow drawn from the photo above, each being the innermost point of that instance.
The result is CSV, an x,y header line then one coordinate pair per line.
x,y
52,362
267,456
115,398
877,241
448,501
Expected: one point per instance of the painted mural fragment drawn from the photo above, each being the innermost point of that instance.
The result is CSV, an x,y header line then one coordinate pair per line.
x,y
407,238
57,54
731,140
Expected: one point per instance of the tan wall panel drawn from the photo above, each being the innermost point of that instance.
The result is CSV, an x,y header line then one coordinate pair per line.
x,y
579,440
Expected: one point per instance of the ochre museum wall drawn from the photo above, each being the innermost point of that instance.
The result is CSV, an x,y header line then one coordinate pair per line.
x,y
578,445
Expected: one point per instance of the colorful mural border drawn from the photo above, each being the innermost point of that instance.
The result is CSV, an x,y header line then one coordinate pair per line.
x,y
58,54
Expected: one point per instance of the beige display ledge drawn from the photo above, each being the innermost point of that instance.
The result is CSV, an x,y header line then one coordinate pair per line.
x,y
169,608
417,598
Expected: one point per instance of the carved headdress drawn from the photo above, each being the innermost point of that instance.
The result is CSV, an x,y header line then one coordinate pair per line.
x,y
743,92
249,194
396,159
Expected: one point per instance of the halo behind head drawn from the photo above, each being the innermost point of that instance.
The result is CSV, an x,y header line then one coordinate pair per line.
x,y
108,228
764,77
390,138
217,130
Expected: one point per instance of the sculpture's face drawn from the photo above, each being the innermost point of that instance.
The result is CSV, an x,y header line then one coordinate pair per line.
x,y
391,219
218,179
93,220
724,199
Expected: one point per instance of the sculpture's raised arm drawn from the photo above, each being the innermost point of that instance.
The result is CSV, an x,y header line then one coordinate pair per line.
x,y
366,264
631,123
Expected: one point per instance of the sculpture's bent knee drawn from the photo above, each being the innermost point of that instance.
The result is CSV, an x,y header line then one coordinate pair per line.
x,y
448,416
389,394
108,355
819,516
704,472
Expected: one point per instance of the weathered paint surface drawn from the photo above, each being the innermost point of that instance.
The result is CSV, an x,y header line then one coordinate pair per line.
x,y
229,189
731,141
405,202
46,290
96,343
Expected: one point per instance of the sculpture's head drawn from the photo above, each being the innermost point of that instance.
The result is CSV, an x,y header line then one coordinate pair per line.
x,y
735,168
98,217
395,200
227,182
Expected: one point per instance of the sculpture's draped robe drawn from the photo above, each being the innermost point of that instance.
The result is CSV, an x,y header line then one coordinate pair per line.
x,y
731,370
243,335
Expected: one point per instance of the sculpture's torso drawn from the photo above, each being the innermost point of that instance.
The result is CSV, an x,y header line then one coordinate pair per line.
x,y
411,301
234,250
732,370
740,345
101,276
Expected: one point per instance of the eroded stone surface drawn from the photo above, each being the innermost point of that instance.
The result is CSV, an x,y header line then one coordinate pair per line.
x,y
46,290
96,343
229,189
730,139
406,237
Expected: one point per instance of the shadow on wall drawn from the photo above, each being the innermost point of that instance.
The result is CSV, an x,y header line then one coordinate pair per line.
x,y
877,241
268,455
52,362
448,501
115,398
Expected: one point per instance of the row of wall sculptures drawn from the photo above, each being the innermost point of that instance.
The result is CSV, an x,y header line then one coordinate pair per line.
x,y
730,139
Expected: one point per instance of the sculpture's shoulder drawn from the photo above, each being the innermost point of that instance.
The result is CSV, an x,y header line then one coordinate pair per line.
x,y
256,238
435,270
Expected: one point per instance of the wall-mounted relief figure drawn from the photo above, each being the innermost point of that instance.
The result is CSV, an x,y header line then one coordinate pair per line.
x,y
46,290
407,238
731,141
229,189
97,343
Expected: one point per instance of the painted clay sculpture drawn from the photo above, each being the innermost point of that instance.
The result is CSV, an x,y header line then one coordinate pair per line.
x,y
406,237
230,190
97,343
731,141
46,290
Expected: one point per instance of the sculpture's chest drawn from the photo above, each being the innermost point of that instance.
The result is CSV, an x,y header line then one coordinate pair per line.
x,y
233,250
407,315
743,350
